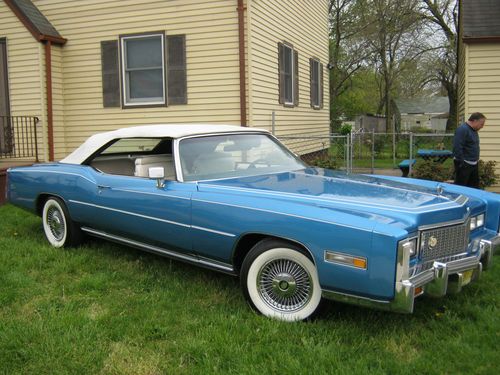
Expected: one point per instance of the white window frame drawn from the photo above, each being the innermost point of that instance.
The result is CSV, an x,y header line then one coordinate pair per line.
x,y
318,84
125,87
292,65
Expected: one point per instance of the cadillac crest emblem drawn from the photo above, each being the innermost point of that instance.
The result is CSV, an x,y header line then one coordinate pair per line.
x,y
432,241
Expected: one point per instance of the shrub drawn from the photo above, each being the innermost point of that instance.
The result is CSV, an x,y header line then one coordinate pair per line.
x,y
430,170
487,173
324,162
345,129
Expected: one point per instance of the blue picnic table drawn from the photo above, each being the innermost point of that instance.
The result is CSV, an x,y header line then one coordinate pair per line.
x,y
436,155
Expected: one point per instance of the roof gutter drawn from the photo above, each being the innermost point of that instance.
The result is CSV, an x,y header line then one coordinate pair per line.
x,y
48,87
481,39
241,34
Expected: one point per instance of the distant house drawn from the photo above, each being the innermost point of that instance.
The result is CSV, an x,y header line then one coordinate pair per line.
x,y
479,71
370,123
76,68
430,113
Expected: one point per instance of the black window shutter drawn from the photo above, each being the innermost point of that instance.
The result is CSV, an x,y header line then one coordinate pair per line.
x,y
311,78
296,77
321,85
176,69
281,73
110,74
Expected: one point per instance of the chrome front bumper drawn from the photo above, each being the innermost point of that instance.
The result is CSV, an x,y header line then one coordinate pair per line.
x,y
437,281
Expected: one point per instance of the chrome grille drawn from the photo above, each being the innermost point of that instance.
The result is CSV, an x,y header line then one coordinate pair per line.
x,y
438,243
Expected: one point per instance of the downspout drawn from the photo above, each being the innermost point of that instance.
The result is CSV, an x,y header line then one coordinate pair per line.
x,y
48,86
241,34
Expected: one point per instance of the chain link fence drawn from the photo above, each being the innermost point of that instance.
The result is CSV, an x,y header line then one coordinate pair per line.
x,y
370,152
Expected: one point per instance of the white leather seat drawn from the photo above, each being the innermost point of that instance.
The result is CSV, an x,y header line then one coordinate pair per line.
x,y
143,163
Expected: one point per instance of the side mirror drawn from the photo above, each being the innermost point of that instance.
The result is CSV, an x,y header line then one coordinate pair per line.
x,y
158,174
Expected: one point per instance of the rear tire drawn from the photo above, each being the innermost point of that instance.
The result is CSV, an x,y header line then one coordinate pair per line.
x,y
280,281
59,229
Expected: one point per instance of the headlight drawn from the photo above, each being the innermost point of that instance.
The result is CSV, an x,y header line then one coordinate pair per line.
x,y
473,223
476,221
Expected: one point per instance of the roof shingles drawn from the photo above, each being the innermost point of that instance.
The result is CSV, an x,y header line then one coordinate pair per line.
x,y
35,21
481,18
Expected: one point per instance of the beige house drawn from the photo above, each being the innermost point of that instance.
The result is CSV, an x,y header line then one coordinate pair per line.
x,y
78,67
479,71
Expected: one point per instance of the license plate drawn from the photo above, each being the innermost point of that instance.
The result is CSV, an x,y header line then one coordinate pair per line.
x,y
467,277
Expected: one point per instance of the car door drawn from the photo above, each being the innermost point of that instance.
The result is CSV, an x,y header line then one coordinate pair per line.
x,y
135,208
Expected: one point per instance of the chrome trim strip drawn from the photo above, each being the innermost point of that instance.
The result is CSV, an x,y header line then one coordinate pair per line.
x,y
213,231
130,213
329,200
220,266
48,171
154,218
148,193
281,213
350,298
444,224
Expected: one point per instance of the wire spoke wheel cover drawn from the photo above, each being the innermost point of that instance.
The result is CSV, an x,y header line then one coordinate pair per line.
x,y
285,285
281,282
56,223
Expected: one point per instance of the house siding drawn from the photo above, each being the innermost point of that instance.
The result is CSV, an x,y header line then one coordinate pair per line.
x,y
305,26
25,63
482,72
211,29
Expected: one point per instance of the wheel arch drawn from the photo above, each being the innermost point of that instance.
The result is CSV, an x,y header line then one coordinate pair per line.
x,y
42,198
247,241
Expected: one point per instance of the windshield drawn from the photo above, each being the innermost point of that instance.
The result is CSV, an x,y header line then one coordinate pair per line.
x,y
234,155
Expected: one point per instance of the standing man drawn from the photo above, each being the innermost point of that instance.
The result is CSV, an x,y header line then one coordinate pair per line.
x,y
466,151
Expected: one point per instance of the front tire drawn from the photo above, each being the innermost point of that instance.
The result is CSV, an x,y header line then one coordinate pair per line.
x,y
280,281
59,229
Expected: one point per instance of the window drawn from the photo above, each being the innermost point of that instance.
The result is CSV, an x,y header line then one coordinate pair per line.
x,y
288,75
143,69
316,82
141,78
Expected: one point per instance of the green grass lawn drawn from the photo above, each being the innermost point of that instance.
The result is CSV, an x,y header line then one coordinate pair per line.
x,y
107,309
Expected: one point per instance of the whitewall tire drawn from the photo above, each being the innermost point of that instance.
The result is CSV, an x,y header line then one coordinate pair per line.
x,y
59,229
280,281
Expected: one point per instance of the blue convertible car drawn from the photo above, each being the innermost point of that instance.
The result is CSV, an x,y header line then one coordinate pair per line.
x,y
236,200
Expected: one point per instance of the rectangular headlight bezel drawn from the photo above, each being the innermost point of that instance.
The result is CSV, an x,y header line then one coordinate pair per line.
x,y
480,220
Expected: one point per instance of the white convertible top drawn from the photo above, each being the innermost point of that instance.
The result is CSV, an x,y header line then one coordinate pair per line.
x,y
93,143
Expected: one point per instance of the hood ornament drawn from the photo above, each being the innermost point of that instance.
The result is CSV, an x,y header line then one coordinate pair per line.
x,y
440,189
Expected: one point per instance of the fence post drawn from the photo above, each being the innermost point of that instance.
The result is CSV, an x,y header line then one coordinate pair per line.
x,y
411,155
373,151
394,149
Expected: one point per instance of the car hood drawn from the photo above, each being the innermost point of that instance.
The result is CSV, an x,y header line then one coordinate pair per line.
x,y
361,195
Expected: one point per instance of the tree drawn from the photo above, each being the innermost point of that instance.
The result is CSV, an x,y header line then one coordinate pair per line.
x,y
397,38
442,14
348,50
